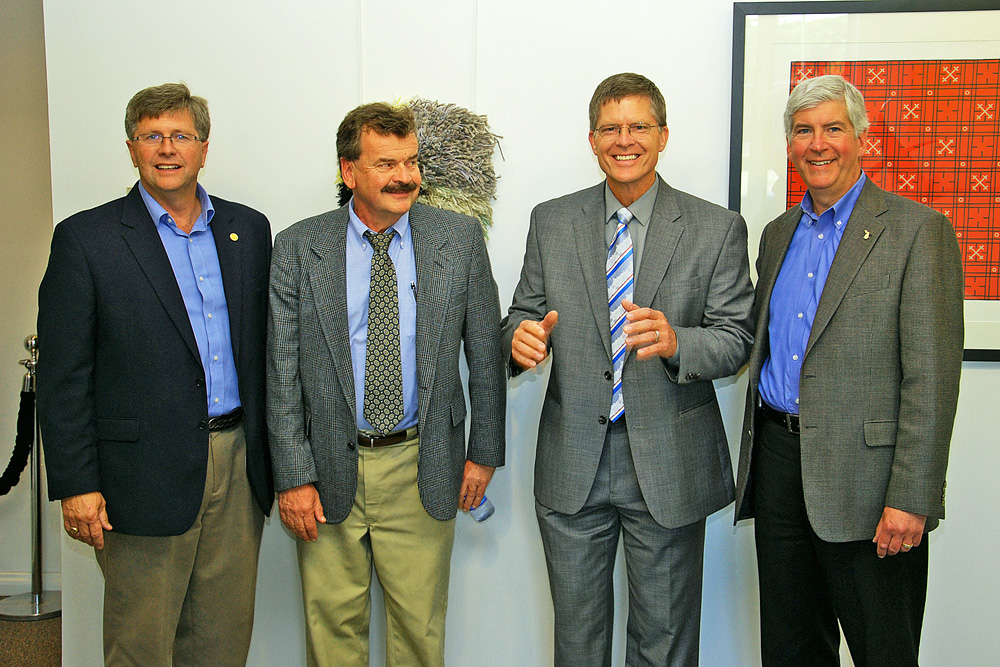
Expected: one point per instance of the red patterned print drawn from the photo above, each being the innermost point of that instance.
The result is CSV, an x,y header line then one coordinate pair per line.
x,y
934,137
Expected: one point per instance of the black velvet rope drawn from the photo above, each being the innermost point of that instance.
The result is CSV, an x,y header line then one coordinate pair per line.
x,y
22,443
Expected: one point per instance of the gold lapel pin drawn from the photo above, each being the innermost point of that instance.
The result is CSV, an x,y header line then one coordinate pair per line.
x,y
236,237
867,234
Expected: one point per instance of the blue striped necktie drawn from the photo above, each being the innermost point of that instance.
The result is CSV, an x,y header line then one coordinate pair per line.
x,y
620,283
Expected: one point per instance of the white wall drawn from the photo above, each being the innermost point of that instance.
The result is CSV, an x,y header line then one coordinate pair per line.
x,y
26,224
280,76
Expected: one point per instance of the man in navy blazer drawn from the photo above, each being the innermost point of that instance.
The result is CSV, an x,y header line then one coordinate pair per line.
x,y
152,317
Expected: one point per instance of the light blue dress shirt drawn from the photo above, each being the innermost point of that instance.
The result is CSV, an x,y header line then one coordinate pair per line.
x,y
796,294
359,271
195,262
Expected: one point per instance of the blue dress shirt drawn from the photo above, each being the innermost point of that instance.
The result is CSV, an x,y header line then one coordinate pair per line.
x,y
195,262
359,273
796,294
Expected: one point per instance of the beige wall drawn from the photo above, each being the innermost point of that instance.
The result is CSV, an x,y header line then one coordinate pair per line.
x,y
26,227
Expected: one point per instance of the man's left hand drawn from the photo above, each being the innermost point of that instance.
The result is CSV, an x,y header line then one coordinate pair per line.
x,y
898,531
648,330
474,483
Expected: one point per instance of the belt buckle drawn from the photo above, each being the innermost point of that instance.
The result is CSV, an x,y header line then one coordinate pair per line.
x,y
792,423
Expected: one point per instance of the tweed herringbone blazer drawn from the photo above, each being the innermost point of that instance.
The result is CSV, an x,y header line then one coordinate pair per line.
x,y
310,383
880,374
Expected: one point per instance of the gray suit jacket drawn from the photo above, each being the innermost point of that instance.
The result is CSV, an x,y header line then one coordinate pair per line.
x,y
694,268
310,384
879,383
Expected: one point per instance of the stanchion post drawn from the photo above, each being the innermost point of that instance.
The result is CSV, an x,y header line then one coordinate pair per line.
x,y
38,604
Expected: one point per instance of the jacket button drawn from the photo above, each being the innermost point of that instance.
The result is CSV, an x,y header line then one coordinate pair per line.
x,y
608,375
351,445
200,382
202,425
602,420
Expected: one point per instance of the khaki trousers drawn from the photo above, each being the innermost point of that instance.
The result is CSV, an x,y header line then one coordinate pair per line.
x,y
188,599
389,530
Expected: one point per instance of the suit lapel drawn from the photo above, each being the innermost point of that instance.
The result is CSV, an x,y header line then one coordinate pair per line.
x,y
662,236
592,248
328,280
139,233
768,265
860,235
434,282
229,252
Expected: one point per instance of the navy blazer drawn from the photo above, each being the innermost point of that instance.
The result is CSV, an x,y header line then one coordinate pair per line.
x,y
122,401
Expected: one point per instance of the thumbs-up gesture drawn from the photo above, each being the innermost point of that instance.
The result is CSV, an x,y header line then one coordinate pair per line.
x,y
530,343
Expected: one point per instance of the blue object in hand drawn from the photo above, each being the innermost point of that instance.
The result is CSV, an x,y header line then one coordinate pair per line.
x,y
483,511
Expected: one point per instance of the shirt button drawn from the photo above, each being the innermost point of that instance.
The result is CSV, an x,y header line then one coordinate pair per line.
x,y
216,357
795,357
800,316
820,237
809,275
210,316
190,240
216,400
201,278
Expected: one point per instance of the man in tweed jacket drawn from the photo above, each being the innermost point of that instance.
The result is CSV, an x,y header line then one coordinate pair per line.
x,y
854,378
360,488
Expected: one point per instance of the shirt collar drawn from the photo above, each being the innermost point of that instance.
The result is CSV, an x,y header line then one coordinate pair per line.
x,y
641,208
358,228
157,212
841,209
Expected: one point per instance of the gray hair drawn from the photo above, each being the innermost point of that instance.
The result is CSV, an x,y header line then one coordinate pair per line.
x,y
828,88
155,101
627,84
378,117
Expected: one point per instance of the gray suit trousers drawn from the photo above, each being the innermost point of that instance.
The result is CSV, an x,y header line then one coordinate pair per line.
x,y
664,568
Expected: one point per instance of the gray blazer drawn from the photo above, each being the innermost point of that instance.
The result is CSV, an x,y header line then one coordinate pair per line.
x,y
694,268
880,375
310,384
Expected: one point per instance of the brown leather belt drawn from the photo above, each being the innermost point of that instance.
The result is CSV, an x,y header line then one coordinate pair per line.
x,y
788,420
226,421
394,438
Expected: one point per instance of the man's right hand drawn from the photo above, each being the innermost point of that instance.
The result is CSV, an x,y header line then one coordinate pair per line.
x,y
300,510
530,344
85,518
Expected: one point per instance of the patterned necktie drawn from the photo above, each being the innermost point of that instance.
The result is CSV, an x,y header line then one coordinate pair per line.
x,y
620,283
383,407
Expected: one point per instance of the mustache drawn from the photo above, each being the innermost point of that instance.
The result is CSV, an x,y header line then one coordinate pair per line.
x,y
399,188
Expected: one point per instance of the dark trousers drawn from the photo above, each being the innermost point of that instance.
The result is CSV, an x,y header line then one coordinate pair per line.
x,y
807,585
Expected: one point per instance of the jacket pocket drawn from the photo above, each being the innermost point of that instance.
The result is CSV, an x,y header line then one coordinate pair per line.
x,y
880,433
458,408
117,429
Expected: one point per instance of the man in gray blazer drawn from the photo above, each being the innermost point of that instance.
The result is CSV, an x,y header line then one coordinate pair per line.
x,y
854,380
631,439
370,305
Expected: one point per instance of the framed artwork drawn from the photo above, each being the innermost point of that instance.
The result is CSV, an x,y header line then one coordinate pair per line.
x,y
930,74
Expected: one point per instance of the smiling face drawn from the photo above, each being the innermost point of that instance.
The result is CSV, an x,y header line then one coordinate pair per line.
x,y
825,152
629,162
385,178
168,172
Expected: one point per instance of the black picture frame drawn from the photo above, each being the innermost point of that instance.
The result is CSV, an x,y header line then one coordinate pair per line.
x,y
745,11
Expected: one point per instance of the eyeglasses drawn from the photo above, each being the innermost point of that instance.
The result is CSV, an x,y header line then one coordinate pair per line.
x,y
637,130
155,139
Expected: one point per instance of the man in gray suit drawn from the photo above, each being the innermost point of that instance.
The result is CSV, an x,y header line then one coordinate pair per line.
x,y
853,387
370,305
631,438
